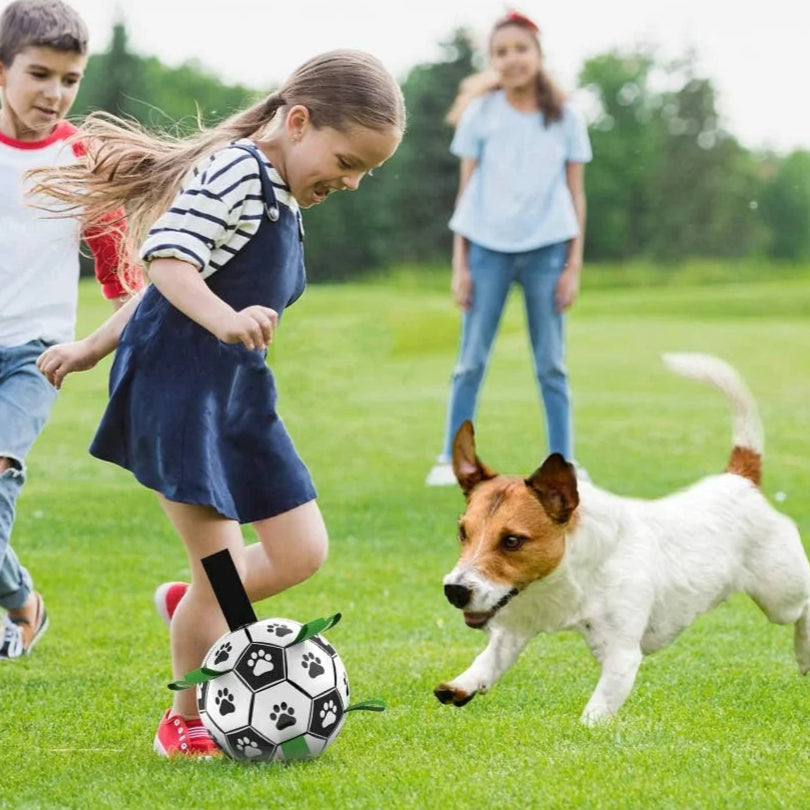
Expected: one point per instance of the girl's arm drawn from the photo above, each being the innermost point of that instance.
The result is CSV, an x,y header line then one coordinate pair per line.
x,y
58,361
461,280
568,285
180,282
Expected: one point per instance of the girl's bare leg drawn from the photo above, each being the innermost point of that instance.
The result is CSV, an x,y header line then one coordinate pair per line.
x,y
198,621
292,546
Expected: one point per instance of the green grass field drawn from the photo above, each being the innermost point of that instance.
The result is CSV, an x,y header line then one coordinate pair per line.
x,y
718,720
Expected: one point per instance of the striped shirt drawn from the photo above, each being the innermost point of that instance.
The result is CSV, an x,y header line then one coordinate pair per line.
x,y
219,208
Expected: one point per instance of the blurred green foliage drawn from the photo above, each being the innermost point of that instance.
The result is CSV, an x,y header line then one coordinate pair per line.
x,y
668,184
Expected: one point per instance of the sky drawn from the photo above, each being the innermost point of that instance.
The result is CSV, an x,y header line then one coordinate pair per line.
x,y
755,54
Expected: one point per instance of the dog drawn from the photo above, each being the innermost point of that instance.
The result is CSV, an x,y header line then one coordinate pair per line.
x,y
549,553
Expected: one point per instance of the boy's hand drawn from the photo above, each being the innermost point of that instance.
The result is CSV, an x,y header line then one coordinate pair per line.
x,y
253,327
58,361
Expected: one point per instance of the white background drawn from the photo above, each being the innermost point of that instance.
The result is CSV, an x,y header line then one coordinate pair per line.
x,y
755,54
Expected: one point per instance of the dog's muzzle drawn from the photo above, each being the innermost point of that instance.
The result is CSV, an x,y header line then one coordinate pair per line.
x,y
459,596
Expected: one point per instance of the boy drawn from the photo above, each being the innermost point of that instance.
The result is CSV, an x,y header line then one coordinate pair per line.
x,y
43,53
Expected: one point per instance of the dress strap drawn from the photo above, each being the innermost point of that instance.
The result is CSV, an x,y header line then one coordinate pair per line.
x,y
270,203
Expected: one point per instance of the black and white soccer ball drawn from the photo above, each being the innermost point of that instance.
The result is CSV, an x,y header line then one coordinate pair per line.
x,y
276,699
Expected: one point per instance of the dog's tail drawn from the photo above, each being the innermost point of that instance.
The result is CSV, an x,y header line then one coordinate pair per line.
x,y
746,426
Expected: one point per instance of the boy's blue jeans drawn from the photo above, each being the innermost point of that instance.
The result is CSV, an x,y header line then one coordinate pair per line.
x,y
26,398
493,273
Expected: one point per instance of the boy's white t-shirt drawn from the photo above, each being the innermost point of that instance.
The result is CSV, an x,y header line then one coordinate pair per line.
x,y
517,199
39,253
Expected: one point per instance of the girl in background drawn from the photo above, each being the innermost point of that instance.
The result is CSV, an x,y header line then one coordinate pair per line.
x,y
192,411
519,218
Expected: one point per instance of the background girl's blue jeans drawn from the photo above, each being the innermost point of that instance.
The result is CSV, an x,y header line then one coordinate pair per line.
x,y
493,273
26,398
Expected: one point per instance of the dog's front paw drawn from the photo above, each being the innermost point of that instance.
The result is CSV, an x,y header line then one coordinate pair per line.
x,y
446,693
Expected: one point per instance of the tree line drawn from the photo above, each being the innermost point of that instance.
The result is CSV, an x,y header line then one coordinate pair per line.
x,y
667,182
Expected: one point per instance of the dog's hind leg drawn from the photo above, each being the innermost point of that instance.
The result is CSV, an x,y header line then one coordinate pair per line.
x,y
781,589
777,571
801,640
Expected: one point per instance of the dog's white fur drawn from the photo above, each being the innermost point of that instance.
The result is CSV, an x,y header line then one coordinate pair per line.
x,y
634,574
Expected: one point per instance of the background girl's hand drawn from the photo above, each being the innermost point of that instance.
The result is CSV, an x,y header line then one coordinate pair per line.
x,y
461,285
58,361
567,287
253,327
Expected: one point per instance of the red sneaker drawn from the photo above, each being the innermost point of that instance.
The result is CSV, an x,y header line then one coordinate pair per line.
x,y
176,736
167,597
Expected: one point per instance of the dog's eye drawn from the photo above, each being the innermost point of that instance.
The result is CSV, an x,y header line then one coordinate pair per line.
x,y
512,542
462,534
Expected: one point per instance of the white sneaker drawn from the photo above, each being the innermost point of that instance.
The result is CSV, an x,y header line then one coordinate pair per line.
x,y
11,640
441,475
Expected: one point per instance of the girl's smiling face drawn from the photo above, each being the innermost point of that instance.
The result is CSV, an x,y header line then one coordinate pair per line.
x,y
515,55
316,162
38,88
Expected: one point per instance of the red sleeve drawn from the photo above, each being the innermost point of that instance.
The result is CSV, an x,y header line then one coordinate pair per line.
x,y
105,244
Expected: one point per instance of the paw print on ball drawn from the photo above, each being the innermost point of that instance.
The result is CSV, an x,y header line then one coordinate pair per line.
x,y
261,665
224,700
260,662
223,653
312,664
328,714
248,748
279,630
283,716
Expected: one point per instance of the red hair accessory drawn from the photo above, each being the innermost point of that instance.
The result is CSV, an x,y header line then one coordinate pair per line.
x,y
518,19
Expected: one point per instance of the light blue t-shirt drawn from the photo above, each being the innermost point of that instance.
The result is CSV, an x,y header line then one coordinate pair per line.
x,y
517,198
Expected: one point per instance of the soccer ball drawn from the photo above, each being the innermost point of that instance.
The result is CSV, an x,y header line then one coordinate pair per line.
x,y
275,699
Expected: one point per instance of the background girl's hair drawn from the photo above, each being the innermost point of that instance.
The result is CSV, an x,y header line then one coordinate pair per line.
x,y
550,98
43,23
126,167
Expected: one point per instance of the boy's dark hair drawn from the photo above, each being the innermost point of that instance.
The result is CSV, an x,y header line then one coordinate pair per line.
x,y
43,23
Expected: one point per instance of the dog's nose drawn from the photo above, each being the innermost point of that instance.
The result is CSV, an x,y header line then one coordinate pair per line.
x,y
457,595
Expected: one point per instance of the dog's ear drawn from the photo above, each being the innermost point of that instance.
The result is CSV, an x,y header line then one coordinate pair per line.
x,y
469,469
555,485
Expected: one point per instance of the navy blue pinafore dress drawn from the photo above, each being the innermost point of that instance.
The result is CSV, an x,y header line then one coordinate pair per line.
x,y
195,418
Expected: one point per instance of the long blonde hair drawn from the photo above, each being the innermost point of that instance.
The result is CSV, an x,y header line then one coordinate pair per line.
x,y
128,168
550,98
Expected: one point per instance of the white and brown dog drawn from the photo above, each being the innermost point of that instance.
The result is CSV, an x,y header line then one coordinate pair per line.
x,y
549,553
